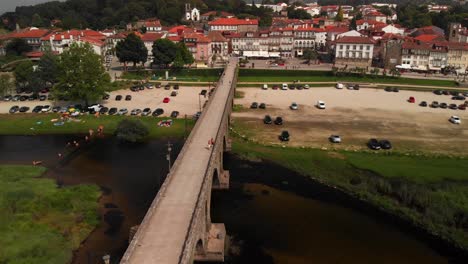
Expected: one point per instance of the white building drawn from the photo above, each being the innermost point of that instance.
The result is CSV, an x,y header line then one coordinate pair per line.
x,y
354,51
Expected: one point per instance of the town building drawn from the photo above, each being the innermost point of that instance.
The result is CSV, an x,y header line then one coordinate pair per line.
x,y
424,56
32,36
58,41
234,25
219,46
308,38
458,33
211,15
375,15
147,25
457,56
354,51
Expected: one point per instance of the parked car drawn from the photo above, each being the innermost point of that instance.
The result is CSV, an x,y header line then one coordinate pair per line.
x,y
356,87
176,87
175,114
56,109
33,97
445,92
443,105
284,136
123,111
103,110
166,100
128,98
46,108
14,109
385,144
37,109
462,107
350,86
23,98
23,109
267,120
438,92
118,97
459,97
339,86
174,93
455,120
278,120
265,86
284,86
167,87
395,89
373,144
16,98
203,92
146,112
135,111
411,100
320,104
454,93
292,87
149,86
158,112
197,115
275,87
435,104
335,139
453,106
262,106
254,105
306,86
7,97
294,106
112,111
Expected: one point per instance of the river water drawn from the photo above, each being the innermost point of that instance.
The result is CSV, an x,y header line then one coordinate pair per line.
x,y
272,214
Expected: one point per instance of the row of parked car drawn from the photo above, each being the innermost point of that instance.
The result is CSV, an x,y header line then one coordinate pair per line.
x,y
286,86
141,87
456,95
436,104
22,98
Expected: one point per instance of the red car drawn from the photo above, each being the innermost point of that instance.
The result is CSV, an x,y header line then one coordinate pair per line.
x,y
166,100
411,99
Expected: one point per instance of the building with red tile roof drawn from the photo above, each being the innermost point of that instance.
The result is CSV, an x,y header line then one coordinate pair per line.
x,y
234,24
354,51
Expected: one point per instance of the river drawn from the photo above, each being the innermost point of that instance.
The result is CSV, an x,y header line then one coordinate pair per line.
x,y
272,215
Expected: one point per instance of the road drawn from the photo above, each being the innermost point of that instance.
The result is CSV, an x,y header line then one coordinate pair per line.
x,y
161,236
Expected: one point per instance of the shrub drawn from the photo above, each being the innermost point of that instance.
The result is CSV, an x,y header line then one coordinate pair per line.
x,y
131,130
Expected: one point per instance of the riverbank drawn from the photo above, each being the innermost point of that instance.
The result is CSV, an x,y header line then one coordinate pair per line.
x,y
429,191
41,124
42,223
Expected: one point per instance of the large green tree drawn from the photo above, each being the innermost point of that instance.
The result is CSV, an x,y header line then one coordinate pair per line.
x,y
131,49
81,75
17,47
48,67
164,52
339,15
187,56
310,55
5,83
23,72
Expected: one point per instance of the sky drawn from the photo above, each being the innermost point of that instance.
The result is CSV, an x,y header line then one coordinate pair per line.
x,y
9,5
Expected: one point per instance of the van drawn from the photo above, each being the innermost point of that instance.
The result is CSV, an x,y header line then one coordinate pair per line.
x,y
265,86
284,86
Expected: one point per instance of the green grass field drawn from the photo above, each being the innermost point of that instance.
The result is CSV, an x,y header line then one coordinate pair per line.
x,y
280,76
39,222
35,124
429,191
189,75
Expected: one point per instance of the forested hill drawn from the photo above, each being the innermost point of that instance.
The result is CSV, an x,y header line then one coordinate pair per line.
x,y
100,14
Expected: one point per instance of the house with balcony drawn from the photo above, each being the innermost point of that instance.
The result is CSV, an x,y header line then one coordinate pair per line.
x,y
354,51
234,25
308,38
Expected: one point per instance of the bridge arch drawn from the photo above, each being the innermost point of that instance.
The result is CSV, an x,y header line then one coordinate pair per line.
x,y
199,249
215,183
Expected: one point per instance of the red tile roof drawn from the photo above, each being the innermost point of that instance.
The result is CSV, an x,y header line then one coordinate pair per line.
x,y
199,37
233,21
427,37
216,36
151,37
30,33
358,40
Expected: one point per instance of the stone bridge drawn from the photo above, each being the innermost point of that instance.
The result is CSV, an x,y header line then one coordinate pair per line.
x,y
177,227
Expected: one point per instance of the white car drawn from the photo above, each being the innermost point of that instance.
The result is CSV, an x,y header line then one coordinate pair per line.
x,y
335,139
339,86
46,108
294,106
265,87
306,86
320,104
455,120
284,86
123,111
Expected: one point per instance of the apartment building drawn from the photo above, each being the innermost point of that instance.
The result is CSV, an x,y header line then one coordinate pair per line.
x,y
234,25
354,51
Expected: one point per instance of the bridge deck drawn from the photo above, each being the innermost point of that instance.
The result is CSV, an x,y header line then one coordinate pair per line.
x,y
162,235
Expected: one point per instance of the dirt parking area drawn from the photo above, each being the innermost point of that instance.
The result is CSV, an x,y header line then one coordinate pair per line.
x,y
356,116
187,101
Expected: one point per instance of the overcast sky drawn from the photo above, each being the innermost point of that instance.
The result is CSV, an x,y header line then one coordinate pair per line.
x,y
9,5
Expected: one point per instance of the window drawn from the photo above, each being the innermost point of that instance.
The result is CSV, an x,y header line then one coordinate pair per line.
x,y
341,46
361,47
354,47
367,47
347,47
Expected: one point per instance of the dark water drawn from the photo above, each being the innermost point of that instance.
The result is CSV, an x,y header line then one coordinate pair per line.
x,y
272,214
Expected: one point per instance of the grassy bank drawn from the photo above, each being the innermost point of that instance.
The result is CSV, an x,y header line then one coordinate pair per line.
x,y
430,191
36,124
252,75
191,75
41,223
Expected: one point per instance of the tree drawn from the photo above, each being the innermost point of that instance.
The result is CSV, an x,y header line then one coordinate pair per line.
x,y
36,20
131,130
395,73
131,49
48,67
17,47
187,56
23,72
5,83
339,15
309,55
353,24
178,61
164,52
81,74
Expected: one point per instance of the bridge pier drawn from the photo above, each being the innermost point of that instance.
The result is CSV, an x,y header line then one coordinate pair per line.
x,y
223,181
214,249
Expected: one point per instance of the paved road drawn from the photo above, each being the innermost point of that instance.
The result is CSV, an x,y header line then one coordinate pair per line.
x,y
163,231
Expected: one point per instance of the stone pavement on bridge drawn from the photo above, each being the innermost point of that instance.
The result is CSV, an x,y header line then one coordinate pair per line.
x,y
160,238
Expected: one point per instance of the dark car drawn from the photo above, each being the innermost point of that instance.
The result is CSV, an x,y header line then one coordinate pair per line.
x,y
374,144
112,111
203,92
292,87
395,90
118,97
106,97
388,89
174,93
167,87
356,87
14,109
459,97
279,121
141,87
435,104
104,110
197,115
262,106
128,98
7,98
37,109
454,93
134,88
443,105
423,104
254,105
284,136
300,87
462,107
175,114
55,109
158,112
267,120
16,97
275,87
445,92
438,92
385,144
33,97
24,109
453,106
42,98
176,87
146,111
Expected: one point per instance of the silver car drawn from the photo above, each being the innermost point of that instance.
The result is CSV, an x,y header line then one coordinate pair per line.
x,y
335,139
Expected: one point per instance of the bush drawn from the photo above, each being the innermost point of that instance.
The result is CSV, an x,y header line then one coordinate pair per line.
x,y
131,130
